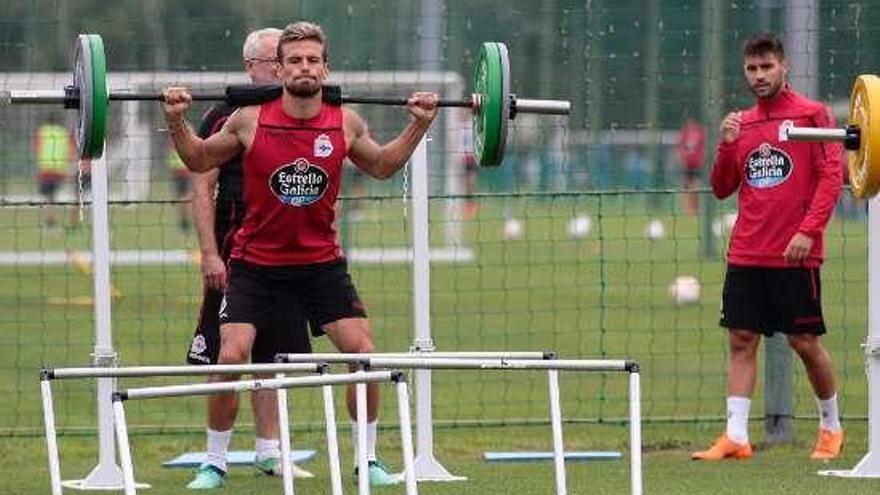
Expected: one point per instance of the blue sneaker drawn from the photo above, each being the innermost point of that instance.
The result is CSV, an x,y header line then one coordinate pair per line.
x,y
271,466
207,477
380,475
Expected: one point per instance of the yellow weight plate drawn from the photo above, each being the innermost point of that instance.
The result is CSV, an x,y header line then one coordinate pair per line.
x,y
864,113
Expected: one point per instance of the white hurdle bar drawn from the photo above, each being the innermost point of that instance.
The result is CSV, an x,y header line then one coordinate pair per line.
x,y
49,374
552,366
359,377
361,390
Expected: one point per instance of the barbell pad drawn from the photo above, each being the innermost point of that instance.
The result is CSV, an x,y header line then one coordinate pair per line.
x,y
864,114
243,95
100,100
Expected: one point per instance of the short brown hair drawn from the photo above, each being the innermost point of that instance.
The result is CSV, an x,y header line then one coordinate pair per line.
x,y
303,30
763,43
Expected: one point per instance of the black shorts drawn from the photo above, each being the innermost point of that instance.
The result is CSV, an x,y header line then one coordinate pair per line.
x,y
324,291
285,332
181,185
770,300
48,186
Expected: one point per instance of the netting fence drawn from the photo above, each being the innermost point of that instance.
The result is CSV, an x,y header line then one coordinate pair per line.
x,y
559,254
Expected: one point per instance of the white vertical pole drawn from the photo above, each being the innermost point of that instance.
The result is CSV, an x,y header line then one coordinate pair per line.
x,y
635,432
51,437
106,474
406,442
361,444
556,424
284,434
427,467
332,440
869,466
124,448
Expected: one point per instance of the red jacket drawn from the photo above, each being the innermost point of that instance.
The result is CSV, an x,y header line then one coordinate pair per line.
x,y
785,187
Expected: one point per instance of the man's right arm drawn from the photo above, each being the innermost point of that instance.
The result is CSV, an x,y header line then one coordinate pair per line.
x,y
726,176
203,211
199,155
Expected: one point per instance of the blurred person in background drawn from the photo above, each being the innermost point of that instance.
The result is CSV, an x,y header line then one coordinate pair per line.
x,y
691,155
294,148
182,187
786,194
218,210
54,152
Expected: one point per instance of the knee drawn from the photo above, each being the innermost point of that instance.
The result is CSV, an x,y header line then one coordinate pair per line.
x,y
743,343
232,355
802,344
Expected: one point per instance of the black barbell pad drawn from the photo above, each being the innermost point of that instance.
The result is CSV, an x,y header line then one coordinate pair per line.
x,y
244,95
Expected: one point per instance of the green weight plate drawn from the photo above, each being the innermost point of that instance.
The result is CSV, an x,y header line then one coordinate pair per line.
x,y
505,101
488,118
99,97
82,81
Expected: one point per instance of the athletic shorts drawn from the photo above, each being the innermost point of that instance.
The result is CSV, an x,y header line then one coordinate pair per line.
x,y
324,291
770,300
181,185
285,332
48,186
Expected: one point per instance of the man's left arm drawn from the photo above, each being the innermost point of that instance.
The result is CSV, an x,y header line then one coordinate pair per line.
x,y
828,157
383,161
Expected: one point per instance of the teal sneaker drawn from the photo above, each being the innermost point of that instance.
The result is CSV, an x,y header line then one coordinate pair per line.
x,y
207,477
271,466
380,475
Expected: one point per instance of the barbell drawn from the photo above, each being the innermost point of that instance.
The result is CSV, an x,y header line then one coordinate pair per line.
x,y
860,137
492,104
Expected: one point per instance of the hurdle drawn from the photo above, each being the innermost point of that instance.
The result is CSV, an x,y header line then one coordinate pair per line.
x,y
49,374
552,366
359,378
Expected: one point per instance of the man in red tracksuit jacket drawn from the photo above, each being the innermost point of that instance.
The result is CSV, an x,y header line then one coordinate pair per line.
x,y
787,191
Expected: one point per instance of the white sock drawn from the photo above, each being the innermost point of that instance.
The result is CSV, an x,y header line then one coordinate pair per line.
x,y
738,418
372,429
218,445
267,448
829,418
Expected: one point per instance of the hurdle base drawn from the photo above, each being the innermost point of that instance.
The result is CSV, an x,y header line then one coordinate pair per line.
x,y
868,467
429,469
234,458
101,478
580,456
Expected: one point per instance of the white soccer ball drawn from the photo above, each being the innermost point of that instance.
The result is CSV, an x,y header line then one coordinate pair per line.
x,y
513,229
580,227
685,289
655,230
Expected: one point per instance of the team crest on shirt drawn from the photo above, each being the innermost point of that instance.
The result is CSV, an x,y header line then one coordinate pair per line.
x,y
783,129
323,146
299,183
767,167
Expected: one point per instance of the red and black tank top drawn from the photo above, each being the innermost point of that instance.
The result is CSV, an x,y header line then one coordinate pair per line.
x,y
292,174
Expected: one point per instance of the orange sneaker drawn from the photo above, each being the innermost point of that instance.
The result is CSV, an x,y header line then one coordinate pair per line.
x,y
828,446
724,448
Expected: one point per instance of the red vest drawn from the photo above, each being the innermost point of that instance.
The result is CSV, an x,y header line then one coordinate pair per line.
x,y
292,175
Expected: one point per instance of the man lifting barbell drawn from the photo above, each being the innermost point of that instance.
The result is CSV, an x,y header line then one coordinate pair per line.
x,y
294,148
491,105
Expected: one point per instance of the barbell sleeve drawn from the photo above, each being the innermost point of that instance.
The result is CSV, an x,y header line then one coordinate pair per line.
x,y
815,134
851,136
545,107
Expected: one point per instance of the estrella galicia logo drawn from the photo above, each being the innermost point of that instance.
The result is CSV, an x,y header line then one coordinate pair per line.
x,y
767,167
299,183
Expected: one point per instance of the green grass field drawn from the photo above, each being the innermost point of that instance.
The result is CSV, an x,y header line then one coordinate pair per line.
x,y
601,296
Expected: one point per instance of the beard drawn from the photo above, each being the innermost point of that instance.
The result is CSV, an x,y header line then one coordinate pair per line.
x,y
303,88
767,91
